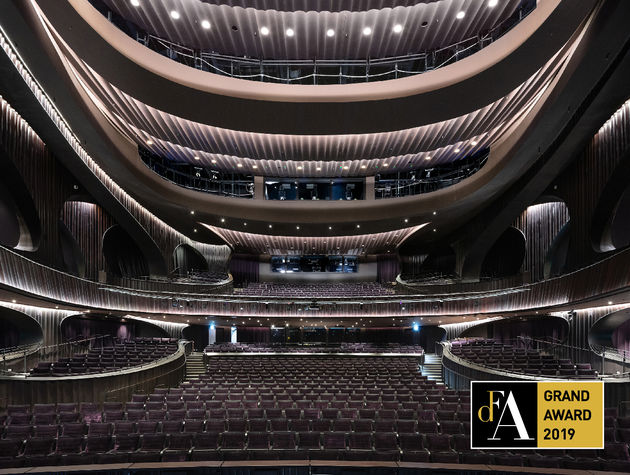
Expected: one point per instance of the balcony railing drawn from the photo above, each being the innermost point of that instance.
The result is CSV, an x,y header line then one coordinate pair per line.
x,y
318,71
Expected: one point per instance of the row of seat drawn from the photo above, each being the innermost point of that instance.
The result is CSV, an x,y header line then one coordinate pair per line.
x,y
437,448
404,426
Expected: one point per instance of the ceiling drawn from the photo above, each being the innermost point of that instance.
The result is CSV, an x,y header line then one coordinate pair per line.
x,y
357,245
317,5
236,31
282,155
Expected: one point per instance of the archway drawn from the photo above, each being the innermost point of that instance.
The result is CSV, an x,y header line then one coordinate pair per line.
x,y
507,329
506,255
123,257
18,329
86,326
187,259
21,227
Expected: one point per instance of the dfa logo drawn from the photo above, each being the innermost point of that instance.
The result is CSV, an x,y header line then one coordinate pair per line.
x,y
503,415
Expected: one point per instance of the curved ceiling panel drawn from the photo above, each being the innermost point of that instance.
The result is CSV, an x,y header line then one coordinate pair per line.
x,y
360,244
312,155
317,5
236,31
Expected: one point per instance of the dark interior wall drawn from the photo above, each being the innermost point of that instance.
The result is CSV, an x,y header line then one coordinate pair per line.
x,y
17,329
73,257
87,222
506,255
387,268
186,259
244,268
591,187
123,257
10,229
430,336
45,180
556,258
544,327
621,337
198,334
85,326
251,334
616,234
540,224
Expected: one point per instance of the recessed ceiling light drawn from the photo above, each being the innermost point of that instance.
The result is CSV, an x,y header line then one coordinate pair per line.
x,y
135,3
264,31
197,157
192,212
434,213
174,14
610,302
474,142
271,225
205,24
385,164
397,28
428,157
318,169
493,3
239,165
367,31
406,220
456,150
460,15
297,227
223,220
345,167
363,166
300,167
149,142
214,160
329,228
289,32
330,32
358,225
254,166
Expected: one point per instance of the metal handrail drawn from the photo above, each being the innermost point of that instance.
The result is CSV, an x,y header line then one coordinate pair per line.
x,y
292,70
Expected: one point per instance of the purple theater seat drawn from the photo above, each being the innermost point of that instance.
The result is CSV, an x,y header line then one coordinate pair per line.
x,y
386,446
10,450
178,447
38,451
283,445
205,446
233,446
360,446
149,449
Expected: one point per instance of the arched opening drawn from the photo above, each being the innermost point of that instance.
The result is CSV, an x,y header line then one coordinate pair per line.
x,y
18,329
545,328
198,334
21,228
86,326
430,336
506,255
123,257
616,230
187,259
73,258
612,331
436,265
556,258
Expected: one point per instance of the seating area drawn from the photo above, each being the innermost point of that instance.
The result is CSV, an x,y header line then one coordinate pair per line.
x,y
316,290
497,355
122,354
388,348
281,408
